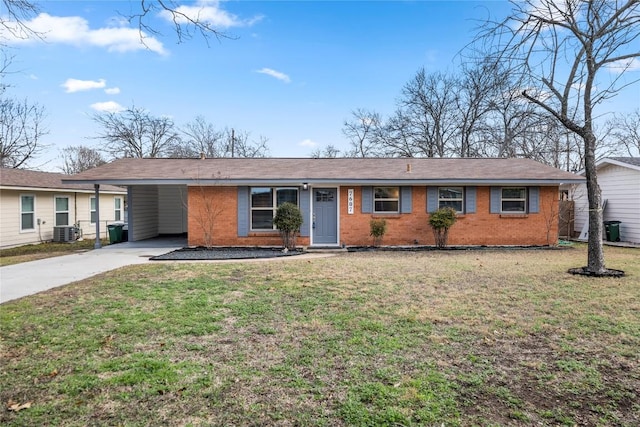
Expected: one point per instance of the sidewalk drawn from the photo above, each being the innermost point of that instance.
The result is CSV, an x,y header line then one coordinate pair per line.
x,y
19,280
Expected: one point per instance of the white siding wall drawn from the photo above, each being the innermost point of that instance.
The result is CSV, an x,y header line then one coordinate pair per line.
x,y
578,194
620,186
172,210
107,214
143,204
10,234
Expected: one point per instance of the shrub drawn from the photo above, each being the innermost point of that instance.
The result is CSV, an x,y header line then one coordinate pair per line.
x,y
288,220
440,221
378,227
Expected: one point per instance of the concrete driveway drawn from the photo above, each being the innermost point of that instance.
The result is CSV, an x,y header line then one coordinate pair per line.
x,y
20,280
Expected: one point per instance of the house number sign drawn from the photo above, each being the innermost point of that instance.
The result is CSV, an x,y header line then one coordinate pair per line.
x,y
350,201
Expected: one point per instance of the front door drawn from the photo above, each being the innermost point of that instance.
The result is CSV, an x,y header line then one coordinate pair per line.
x,y
325,216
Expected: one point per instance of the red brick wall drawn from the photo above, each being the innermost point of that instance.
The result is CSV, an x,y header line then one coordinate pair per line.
x,y
481,228
225,223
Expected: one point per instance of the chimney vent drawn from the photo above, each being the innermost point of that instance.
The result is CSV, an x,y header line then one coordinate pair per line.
x,y
408,167
202,156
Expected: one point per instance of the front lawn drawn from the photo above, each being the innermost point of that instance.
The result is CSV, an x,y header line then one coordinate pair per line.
x,y
424,339
43,250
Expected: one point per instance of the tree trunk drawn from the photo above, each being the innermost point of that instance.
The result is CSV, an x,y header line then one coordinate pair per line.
x,y
595,254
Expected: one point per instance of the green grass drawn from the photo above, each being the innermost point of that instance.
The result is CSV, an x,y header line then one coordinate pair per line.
x,y
411,339
26,253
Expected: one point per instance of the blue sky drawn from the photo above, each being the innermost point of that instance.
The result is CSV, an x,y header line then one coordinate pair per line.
x,y
293,73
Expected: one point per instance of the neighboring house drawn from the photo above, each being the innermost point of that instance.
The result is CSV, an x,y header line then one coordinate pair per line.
x,y
232,201
33,203
619,181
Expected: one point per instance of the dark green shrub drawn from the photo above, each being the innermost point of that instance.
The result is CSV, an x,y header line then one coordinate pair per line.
x,y
441,221
288,221
378,227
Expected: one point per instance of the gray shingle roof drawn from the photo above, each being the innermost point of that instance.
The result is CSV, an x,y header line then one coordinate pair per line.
x,y
243,171
22,178
630,160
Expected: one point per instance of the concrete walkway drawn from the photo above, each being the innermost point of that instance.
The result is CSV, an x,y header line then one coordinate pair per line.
x,y
28,278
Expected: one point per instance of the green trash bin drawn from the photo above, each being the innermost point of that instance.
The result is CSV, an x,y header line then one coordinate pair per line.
x,y
115,233
612,230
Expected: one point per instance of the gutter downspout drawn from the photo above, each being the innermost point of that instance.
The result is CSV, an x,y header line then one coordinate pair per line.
x,y
98,244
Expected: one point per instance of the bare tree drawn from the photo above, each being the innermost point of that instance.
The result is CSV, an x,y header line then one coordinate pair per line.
x,y
186,21
563,48
361,132
13,17
136,133
238,144
203,207
79,158
478,85
624,130
204,210
428,104
5,63
21,131
200,138
328,152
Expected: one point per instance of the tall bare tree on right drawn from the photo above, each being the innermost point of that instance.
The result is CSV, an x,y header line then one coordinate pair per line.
x,y
573,55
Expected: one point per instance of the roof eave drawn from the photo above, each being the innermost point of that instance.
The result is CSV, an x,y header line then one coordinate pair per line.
x,y
332,181
58,189
617,163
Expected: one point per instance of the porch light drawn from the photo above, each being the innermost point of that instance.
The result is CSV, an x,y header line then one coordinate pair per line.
x,y
305,186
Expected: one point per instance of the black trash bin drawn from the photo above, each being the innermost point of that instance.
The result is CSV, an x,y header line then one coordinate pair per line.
x,y
612,230
115,233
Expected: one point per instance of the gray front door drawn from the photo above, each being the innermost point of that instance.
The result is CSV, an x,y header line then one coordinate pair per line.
x,y
325,216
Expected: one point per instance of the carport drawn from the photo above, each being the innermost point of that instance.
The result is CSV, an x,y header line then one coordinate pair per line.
x,y
153,210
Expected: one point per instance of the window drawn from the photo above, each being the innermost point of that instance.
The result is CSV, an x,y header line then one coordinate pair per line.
x,y
451,197
514,200
265,201
92,210
27,212
386,199
117,214
325,195
62,210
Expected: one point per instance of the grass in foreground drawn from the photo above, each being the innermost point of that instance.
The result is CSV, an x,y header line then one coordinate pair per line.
x,y
26,253
432,338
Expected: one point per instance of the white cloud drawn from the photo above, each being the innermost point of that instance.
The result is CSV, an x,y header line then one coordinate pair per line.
x,y
75,31
108,107
308,143
209,12
112,90
275,74
75,85
631,64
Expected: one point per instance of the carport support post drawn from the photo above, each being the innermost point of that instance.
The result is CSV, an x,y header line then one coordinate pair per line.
x,y
98,244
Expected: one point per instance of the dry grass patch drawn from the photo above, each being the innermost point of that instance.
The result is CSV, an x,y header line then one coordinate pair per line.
x,y
411,338
44,250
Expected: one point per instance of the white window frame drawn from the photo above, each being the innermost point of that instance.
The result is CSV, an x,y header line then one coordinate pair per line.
x,y
92,209
386,199
33,214
444,199
519,199
117,211
56,211
272,208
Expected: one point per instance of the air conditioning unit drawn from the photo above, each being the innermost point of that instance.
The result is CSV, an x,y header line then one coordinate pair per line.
x,y
64,233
